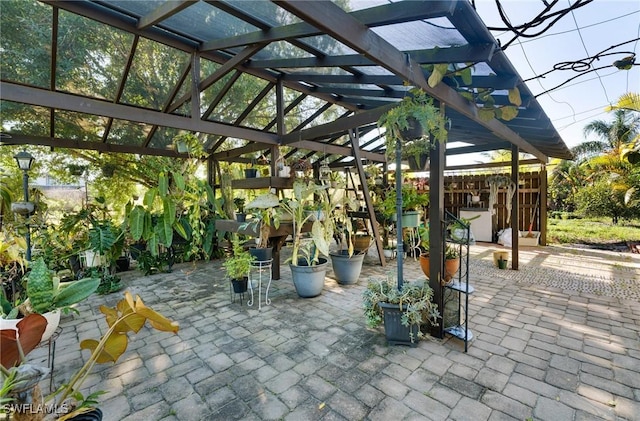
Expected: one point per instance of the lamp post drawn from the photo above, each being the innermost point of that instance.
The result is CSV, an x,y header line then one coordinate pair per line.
x,y
25,161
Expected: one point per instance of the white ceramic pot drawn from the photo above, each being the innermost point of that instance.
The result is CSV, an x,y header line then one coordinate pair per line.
x,y
53,320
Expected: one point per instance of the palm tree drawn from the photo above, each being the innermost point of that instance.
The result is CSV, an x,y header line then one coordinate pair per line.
x,y
614,137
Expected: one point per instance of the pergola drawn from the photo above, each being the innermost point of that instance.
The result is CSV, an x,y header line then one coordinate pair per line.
x,y
327,70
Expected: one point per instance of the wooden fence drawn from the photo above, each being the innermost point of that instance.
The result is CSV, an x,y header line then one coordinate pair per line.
x,y
459,188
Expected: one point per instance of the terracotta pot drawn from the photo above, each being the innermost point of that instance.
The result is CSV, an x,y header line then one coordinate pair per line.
x,y
451,267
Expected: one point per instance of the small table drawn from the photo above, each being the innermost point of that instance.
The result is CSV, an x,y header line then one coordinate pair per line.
x,y
260,269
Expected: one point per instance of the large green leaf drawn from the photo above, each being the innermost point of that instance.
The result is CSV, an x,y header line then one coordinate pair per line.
x,y
76,291
163,185
136,222
179,180
509,112
149,197
102,237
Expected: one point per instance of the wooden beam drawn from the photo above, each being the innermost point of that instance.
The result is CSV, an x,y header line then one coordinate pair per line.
x,y
45,98
387,14
225,68
462,54
330,18
502,164
337,126
54,142
97,13
165,11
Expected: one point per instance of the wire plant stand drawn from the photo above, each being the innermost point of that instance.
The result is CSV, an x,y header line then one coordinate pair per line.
x,y
260,272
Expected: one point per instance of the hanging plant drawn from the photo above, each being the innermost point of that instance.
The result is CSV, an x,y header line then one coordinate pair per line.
x,y
417,107
108,169
489,110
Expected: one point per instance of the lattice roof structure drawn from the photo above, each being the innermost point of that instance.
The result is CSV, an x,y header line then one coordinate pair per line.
x,y
249,75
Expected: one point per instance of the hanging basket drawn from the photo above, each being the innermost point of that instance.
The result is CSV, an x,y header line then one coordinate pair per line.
x,y
414,131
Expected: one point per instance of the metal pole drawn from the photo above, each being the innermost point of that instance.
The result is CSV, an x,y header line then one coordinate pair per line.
x,y
25,187
399,238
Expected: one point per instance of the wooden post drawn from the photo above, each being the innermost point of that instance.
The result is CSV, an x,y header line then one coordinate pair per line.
x,y
355,146
515,211
436,215
543,192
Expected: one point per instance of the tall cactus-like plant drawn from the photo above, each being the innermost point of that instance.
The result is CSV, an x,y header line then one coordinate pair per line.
x,y
46,294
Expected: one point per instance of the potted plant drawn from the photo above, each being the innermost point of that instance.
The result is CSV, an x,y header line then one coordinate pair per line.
x,y
414,120
250,171
403,310
346,262
451,257
239,202
302,168
76,170
266,214
45,295
412,203
238,266
21,378
308,269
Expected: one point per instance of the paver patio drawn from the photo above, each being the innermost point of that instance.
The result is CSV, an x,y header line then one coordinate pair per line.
x,y
557,340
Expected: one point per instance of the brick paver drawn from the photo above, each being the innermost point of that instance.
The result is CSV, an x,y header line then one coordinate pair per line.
x,y
556,340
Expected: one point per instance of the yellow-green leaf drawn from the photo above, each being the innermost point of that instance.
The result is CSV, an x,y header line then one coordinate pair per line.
x,y
110,315
486,114
132,322
465,74
113,348
514,97
438,73
509,112
157,320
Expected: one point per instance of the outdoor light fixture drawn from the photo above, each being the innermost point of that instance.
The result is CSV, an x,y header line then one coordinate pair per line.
x,y
25,161
325,171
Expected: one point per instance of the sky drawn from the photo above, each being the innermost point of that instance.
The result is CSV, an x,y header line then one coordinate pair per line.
x,y
578,35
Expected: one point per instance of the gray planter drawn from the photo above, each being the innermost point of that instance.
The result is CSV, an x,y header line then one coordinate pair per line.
x,y
23,208
395,332
309,280
347,269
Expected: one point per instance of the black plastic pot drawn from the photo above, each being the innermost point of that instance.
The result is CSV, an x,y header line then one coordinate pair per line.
x,y
94,414
414,131
395,332
122,264
240,285
241,217
250,173
261,254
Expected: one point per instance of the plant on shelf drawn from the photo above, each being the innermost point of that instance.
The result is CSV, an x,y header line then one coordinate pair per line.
x,y
20,379
266,214
302,168
413,303
238,265
239,203
451,256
